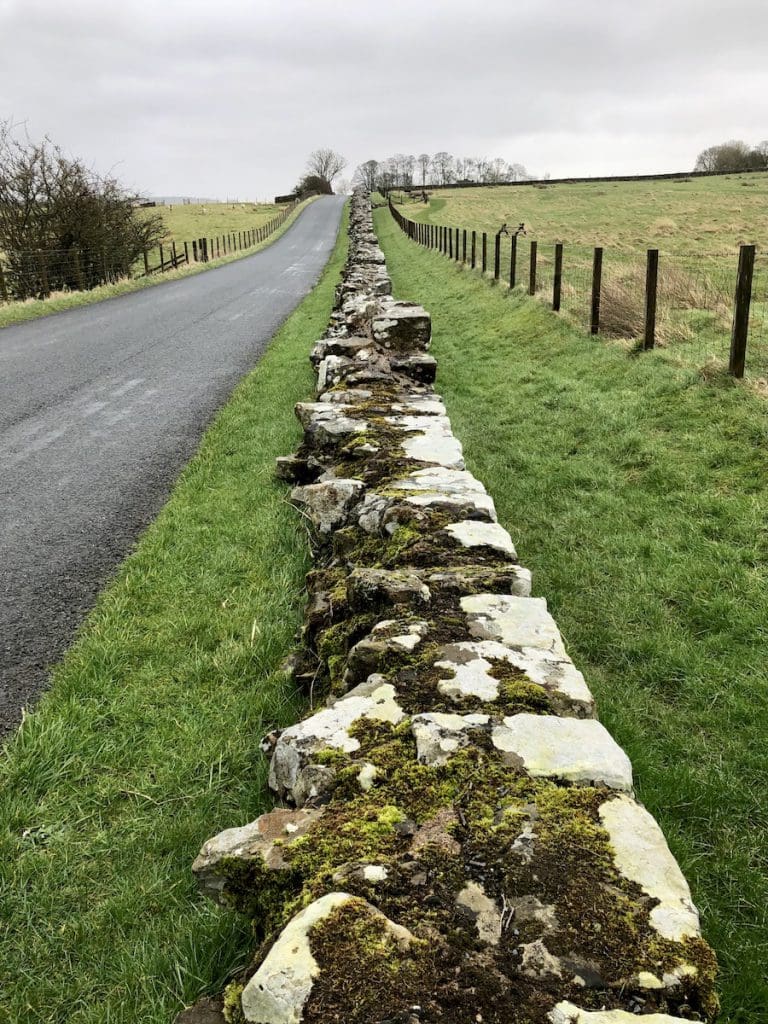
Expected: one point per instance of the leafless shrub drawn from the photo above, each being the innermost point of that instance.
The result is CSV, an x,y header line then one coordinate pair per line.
x,y
62,226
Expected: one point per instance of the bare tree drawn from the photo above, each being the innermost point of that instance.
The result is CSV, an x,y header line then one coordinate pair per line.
x,y
367,174
442,165
325,164
423,160
62,226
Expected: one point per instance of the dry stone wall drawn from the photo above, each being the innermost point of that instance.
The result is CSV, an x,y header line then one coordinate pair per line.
x,y
458,839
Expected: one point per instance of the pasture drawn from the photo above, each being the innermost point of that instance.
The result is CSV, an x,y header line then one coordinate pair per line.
x,y
207,220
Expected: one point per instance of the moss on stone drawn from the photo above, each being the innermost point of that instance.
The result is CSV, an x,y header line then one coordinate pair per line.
x,y
233,1008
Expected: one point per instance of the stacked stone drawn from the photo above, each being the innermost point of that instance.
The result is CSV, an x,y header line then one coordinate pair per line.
x,y
458,841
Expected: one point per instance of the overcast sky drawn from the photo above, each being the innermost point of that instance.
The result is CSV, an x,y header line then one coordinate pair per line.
x,y
227,98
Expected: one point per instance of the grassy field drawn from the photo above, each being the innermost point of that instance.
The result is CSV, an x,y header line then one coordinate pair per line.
x,y
695,215
637,492
19,312
206,220
697,224
147,741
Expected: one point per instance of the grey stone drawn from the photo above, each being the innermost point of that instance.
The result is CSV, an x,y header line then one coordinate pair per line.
x,y
641,854
328,503
578,750
264,839
438,736
280,988
515,621
568,1013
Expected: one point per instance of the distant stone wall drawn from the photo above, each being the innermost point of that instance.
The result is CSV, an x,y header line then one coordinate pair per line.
x,y
458,840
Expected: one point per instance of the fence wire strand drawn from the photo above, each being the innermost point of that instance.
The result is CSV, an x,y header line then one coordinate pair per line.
x,y
694,295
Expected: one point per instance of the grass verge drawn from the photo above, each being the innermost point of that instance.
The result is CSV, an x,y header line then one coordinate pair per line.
x,y
19,312
636,491
147,741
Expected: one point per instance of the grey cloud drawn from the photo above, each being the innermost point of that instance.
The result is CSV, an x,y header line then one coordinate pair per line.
x,y
228,98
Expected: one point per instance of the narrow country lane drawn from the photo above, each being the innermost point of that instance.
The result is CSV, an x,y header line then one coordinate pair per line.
x,y
100,408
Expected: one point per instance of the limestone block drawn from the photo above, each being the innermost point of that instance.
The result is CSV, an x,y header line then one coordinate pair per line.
x,y
266,839
568,1013
328,503
471,533
402,326
515,621
368,589
438,486
429,439
469,664
578,750
326,423
280,988
641,854
422,368
386,641
463,580
439,736
326,729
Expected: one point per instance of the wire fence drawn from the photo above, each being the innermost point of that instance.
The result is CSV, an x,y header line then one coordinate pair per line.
x,y
37,274
700,308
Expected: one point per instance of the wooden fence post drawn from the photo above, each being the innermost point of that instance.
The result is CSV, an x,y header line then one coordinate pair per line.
x,y
44,274
186,252
742,302
497,257
513,263
79,269
450,243
146,263
162,261
532,269
194,249
456,246
464,246
558,278
597,280
474,249
485,253
174,257
651,282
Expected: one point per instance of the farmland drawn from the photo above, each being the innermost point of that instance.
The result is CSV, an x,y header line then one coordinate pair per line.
x,y
697,224
679,216
206,220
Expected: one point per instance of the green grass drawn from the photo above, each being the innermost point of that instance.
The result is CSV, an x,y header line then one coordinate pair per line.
x,y
32,309
698,215
148,740
206,220
697,224
636,492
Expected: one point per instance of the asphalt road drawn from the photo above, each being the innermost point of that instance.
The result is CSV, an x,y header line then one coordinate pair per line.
x,y
100,408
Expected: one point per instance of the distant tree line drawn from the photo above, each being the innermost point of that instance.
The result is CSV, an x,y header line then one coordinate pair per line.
x,y
734,155
62,226
406,171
